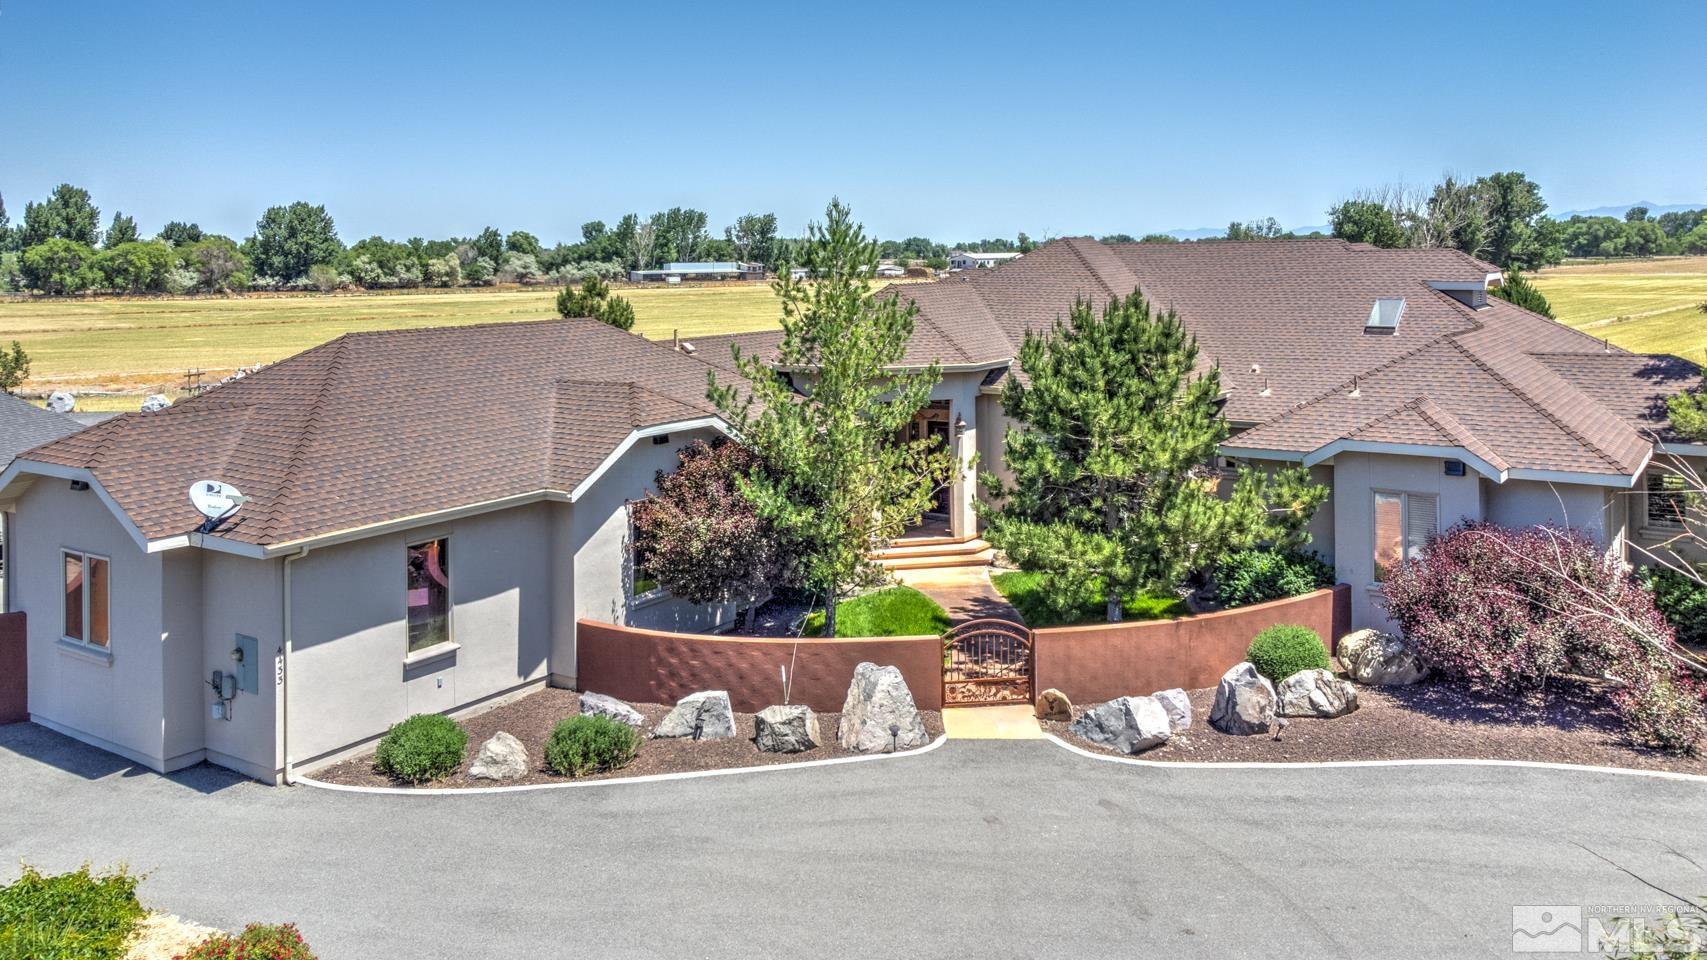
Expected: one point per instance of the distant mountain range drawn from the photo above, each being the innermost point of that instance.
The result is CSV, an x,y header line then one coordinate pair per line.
x,y
1199,233
1618,210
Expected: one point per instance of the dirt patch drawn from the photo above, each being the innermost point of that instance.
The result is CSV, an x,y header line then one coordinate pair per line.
x,y
1573,723
531,718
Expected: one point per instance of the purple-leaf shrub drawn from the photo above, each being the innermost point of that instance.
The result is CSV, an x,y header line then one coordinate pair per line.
x,y
1506,609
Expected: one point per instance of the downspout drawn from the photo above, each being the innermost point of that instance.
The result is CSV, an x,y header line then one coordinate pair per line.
x,y
284,690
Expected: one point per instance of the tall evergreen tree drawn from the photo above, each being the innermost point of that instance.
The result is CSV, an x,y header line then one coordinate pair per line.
x,y
837,483
122,230
68,214
1516,288
1114,489
8,240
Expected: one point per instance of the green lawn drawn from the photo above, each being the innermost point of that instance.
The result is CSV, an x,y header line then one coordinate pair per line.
x,y
895,612
1649,306
1025,591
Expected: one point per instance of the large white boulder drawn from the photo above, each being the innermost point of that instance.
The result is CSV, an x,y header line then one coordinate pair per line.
x,y
786,729
501,758
599,705
705,715
878,715
1128,724
1376,658
1315,693
1244,702
1178,706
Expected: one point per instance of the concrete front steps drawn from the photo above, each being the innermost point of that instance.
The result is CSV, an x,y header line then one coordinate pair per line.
x,y
924,553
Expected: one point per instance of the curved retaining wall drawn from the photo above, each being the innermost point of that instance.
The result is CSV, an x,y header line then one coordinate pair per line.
x,y
1099,662
654,666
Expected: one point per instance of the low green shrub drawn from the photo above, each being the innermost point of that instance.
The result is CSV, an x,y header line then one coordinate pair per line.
x,y
1681,599
1245,577
1284,649
72,916
590,744
258,941
427,746
895,612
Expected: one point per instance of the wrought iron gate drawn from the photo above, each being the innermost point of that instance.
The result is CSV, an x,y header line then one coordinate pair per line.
x,y
986,662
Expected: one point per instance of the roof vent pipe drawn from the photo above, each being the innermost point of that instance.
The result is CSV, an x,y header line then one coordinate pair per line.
x,y
1356,387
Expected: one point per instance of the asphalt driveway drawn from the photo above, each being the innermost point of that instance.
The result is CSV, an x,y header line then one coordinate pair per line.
x,y
979,848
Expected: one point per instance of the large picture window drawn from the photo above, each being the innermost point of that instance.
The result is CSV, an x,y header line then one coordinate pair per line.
x,y
86,589
429,594
1403,524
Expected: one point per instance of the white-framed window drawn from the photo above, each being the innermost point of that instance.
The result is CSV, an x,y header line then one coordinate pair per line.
x,y
428,593
1403,524
1667,501
84,612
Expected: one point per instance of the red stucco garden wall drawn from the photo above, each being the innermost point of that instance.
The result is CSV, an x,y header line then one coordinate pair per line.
x,y
652,666
1099,662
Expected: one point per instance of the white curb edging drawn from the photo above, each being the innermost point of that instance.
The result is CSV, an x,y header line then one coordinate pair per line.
x,y
615,781
1327,764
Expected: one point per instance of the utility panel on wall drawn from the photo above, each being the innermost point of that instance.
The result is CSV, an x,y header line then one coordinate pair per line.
x,y
248,665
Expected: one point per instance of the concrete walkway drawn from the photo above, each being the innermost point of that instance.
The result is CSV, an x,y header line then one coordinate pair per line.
x,y
988,848
1016,722
965,592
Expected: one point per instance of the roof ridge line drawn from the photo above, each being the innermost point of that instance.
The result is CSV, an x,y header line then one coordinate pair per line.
x,y
1569,430
340,347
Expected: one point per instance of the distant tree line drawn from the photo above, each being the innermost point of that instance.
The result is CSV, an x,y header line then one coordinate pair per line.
x,y
60,248
1502,218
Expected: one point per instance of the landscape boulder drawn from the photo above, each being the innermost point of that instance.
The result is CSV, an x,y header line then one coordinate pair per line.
x,y
1376,658
599,705
1128,724
1178,706
707,712
786,729
1052,704
878,715
1244,702
1315,693
501,758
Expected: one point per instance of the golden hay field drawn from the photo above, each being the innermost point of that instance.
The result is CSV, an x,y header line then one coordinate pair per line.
x,y
1649,306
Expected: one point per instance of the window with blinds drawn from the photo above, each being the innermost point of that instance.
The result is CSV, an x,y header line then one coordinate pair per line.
x,y
1404,522
1666,500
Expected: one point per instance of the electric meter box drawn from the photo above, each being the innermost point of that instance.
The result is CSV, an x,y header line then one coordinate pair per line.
x,y
248,668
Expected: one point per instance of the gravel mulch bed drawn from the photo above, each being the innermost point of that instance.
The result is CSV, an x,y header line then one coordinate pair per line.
x,y
531,718
1573,724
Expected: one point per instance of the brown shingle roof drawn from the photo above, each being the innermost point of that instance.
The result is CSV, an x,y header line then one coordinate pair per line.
x,y
1284,320
373,427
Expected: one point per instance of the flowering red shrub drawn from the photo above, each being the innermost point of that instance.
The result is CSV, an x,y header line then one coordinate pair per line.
x,y
257,942
1507,609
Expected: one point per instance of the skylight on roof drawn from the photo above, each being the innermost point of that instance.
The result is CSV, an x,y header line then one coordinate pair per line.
x,y
1384,316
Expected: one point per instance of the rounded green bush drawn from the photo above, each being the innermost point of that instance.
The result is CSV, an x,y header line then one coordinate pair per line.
x,y
1284,649
590,744
1244,577
427,746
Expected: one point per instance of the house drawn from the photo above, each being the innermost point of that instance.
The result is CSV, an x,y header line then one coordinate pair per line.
x,y
431,511
677,272
975,259
24,425
1392,375
890,270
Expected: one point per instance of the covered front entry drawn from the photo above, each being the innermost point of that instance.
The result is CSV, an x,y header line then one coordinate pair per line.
x,y
987,662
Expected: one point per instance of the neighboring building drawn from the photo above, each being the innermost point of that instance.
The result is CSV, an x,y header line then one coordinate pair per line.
x,y
678,272
433,510
976,259
24,425
888,270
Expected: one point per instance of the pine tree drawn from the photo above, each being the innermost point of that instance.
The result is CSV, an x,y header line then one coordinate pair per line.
x,y
1114,488
594,300
122,230
838,482
1517,289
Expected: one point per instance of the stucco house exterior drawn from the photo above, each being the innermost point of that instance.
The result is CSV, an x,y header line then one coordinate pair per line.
x,y
431,511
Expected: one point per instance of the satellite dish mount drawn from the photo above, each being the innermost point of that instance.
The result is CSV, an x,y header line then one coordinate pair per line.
x,y
217,501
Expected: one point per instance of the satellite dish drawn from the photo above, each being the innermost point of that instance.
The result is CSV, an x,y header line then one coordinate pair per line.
x,y
216,501
61,402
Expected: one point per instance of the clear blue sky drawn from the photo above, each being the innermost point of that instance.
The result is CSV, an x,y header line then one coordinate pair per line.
x,y
1049,117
